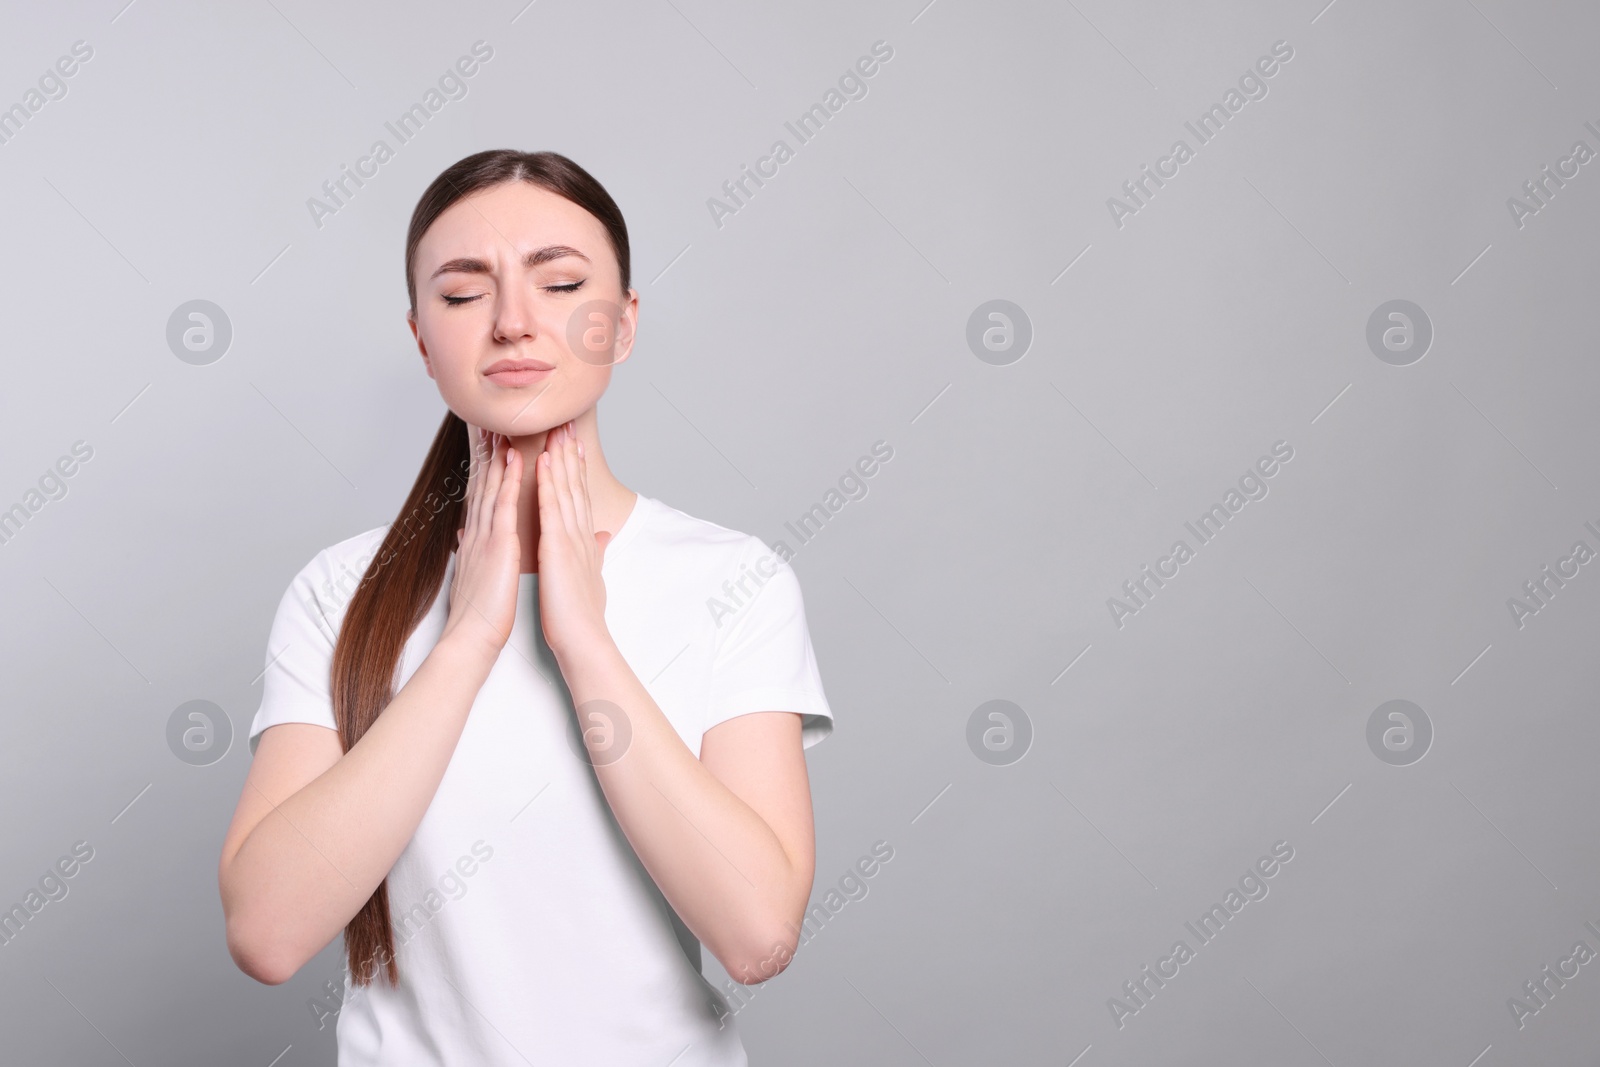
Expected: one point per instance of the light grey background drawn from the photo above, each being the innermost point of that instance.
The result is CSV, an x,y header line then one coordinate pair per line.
x,y
830,312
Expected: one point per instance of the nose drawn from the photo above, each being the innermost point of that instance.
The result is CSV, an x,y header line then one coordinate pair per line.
x,y
515,317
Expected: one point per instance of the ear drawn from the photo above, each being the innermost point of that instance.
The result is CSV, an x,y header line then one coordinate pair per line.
x,y
627,328
427,363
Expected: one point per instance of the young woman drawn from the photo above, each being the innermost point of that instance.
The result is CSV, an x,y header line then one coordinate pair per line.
x,y
535,742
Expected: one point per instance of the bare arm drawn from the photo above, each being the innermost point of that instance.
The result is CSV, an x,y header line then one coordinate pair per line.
x,y
317,829
727,837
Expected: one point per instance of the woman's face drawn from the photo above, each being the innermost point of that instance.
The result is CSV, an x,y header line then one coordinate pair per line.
x,y
515,274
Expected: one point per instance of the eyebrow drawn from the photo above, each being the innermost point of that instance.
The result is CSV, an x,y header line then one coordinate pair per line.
x,y
538,257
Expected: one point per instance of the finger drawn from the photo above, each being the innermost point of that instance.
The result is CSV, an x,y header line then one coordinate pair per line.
x,y
583,530
544,500
491,486
474,477
505,508
474,449
583,524
583,480
483,461
552,519
562,485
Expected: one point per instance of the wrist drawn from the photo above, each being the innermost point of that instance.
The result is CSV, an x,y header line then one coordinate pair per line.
x,y
466,653
580,649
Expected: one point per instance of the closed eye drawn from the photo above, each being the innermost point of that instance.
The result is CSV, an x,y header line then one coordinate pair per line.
x,y
570,287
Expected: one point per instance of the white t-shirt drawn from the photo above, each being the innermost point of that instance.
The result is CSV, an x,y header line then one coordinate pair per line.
x,y
526,929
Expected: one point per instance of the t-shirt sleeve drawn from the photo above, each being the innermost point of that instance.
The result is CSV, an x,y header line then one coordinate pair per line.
x,y
296,686
764,660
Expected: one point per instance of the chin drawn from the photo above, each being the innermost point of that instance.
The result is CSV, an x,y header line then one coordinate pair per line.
x,y
530,424
514,414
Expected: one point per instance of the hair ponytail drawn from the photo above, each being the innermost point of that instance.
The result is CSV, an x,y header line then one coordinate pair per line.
x,y
399,586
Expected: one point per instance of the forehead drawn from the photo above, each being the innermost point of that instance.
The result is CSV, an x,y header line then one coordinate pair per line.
x,y
505,221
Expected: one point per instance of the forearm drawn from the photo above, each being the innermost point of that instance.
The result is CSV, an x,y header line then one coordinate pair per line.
x,y
716,860
311,863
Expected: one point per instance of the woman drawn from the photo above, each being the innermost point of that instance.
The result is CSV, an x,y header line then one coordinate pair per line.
x,y
534,742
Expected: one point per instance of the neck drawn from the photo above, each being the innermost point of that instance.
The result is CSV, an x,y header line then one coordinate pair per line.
x,y
610,501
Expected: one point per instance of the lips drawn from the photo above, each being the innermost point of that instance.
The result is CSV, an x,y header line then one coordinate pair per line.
x,y
513,372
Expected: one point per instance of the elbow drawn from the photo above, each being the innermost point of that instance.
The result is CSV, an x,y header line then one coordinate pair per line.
x,y
763,957
263,966
768,945
258,956
255,945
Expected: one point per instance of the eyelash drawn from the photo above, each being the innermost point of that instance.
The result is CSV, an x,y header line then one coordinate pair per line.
x,y
571,287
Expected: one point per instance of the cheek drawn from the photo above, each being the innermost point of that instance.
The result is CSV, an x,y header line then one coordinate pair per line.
x,y
449,352
584,382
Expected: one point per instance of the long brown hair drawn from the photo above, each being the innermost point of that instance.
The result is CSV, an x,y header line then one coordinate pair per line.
x,y
404,578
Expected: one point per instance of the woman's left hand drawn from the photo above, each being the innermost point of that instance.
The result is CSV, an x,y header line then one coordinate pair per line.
x,y
572,594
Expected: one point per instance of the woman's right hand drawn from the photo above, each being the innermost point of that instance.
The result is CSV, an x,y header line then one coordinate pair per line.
x,y
483,595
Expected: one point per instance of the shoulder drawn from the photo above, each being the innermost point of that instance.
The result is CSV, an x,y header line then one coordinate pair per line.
x,y
329,579
353,553
734,575
700,544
